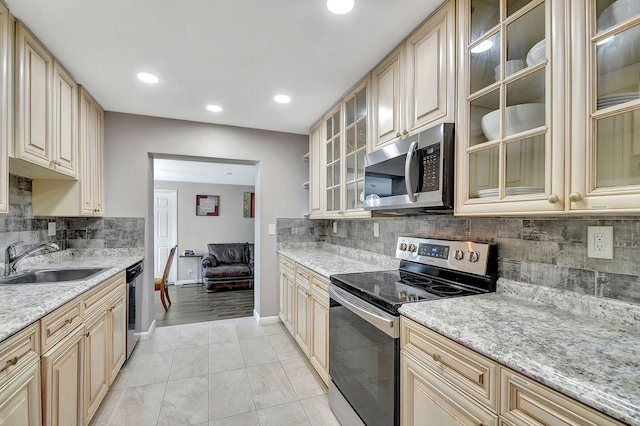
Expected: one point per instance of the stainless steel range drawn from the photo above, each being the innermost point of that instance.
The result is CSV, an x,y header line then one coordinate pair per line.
x,y
364,344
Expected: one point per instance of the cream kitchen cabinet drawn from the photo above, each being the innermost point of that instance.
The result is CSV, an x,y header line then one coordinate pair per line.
x,y
315,175
20,378
84,197
530,143
345,142
105,343
304,310
46,109
414,85
6,125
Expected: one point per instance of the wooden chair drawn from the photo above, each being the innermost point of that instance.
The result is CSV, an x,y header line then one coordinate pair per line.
x,y
161,283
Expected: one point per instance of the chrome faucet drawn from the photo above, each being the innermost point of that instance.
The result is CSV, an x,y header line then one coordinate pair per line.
x,y
11,261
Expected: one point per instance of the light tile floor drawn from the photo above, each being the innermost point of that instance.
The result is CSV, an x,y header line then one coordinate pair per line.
x,y
228,372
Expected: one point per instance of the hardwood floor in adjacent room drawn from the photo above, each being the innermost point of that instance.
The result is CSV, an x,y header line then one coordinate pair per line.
x,y
192,304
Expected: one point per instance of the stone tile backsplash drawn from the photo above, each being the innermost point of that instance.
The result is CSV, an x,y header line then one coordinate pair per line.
x,y
71,232
550,251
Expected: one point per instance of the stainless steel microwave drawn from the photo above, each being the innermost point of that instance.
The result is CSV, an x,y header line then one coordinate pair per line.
x,y
412,175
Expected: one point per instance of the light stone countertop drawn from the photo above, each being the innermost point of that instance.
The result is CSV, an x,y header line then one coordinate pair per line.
x,y
23,304
328,259
583,346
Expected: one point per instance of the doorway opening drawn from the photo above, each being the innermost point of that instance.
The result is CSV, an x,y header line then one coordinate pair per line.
x,y
209,208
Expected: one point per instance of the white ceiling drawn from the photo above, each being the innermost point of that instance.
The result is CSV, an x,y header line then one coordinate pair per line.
x,y
234,53
201,171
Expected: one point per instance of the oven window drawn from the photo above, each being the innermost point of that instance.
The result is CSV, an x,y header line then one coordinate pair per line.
x,y
363,364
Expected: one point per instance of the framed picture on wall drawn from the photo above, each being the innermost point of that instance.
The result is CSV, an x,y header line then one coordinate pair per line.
x,y
207,205
249,204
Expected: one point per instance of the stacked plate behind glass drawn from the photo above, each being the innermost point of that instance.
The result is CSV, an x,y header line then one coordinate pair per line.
x,y
611,100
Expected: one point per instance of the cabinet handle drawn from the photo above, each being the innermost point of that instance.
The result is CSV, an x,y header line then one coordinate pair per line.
x,y
68,321
404,132
9,363
553,199
436,357
398,135
111,308
87,334
575,196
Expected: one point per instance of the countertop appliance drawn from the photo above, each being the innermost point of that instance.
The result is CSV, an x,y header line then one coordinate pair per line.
x,y
364,331
412,175
132,272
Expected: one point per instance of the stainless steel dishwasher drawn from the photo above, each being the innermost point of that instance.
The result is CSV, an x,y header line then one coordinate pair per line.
x,y
133,272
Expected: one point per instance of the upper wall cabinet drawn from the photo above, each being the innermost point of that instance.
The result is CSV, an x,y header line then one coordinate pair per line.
x,y
549,107
5,117
414,86
605,155
315,175
510,133
345,144
46,106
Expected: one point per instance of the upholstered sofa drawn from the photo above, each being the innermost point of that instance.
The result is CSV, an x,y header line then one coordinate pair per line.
x,y
228,266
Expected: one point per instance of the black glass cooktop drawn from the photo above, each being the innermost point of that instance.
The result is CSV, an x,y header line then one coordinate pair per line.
x,y
390,289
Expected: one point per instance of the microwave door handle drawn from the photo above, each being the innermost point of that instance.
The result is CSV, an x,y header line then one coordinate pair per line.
x,y
407,171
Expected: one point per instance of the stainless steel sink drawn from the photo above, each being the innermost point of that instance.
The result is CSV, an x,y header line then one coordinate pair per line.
x,y
52,276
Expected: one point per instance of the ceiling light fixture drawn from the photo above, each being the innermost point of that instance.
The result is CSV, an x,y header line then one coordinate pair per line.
x,y
340,7
282,99
148,78
214,108
482,47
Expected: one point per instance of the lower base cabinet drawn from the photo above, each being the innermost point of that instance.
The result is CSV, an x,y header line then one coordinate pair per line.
x,y
304,297
448,384
62,381
20,398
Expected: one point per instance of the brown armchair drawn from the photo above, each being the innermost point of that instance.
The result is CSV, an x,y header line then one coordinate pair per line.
x,y
228,266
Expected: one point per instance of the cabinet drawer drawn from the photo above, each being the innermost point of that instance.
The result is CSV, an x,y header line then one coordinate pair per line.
x,y
320,282
469,371
98,296
18,351
302,274
286,265
56,325
526,402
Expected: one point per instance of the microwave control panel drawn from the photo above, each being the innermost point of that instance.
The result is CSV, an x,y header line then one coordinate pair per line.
x,y
431,168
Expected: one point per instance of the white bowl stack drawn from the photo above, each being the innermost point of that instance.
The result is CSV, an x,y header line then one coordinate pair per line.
x,y
537,53
519,118
618,12
511,67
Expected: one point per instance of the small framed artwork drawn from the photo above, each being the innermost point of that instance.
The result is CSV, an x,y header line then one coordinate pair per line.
x,y
249,206
207,205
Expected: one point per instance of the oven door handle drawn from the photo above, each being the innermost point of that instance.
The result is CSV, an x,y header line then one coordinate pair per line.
x,y
407,172
381,320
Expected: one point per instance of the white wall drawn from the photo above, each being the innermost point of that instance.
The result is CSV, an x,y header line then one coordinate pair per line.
x,y
195,232
131,139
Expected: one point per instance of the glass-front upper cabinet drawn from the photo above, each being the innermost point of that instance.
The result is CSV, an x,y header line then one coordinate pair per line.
x,y
355,126
509,159
333,162
606,169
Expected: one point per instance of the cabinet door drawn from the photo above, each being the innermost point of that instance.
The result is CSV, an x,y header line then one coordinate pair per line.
x,y
65,113
605,161
511,131
302,298
96,362
118,333
62,381
320,332
91,155
33,99
356,121
4,108
387,87
316,184
427,400
430,70
20,399
333,163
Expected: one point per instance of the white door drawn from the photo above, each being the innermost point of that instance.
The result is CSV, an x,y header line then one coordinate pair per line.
x,y
165,229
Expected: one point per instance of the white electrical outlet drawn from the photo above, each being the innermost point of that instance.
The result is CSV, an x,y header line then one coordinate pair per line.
x,y
335,227
189,271
376,229
600,242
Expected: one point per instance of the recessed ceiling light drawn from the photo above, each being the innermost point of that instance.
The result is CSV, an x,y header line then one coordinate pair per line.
x,y
148,78
282,99
340,7
482,47
214,108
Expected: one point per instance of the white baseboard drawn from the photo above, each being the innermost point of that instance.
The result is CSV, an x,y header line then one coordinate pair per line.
x,y
144,335
265,320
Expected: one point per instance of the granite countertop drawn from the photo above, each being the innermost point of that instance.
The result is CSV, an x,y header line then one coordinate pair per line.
x,y
583,346
24,304
328,259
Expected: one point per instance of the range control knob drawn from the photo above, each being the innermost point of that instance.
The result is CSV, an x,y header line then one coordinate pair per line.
x,y
412,248
474,256
403,246
459,254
